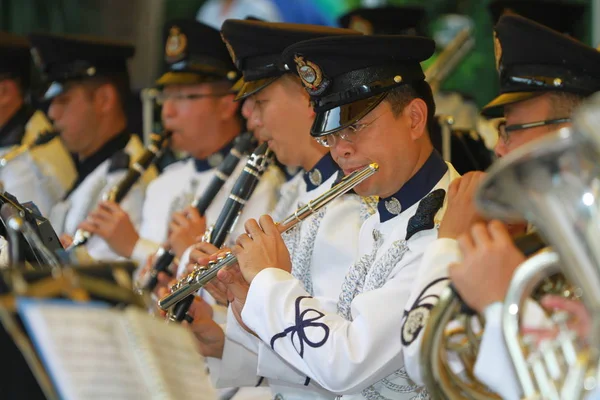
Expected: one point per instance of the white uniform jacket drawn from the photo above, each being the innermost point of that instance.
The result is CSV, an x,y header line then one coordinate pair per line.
x,y
41,175
98,174
357,348
321,248
493,367
186,180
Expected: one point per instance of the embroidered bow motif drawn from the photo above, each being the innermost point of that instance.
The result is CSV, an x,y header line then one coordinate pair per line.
x,y
424,217
299,328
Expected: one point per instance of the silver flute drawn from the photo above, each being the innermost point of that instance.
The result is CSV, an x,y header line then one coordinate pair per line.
x,y
202,275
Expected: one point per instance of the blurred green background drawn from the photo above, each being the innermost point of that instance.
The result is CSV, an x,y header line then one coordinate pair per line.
x,y
140,21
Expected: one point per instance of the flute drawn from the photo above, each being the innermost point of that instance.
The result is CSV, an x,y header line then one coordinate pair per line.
x,y
194,281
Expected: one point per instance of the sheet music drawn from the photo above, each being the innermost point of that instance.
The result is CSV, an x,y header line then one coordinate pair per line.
x,y
94,352
174,358
82,348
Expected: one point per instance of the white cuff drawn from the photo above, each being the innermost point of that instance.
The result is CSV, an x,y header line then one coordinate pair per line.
x,y
184,261
494,366
258,294
143,249
273,367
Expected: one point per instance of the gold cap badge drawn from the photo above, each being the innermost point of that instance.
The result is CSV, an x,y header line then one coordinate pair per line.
x,y
37,59
360,24
311,76
176,45
497,51
229,48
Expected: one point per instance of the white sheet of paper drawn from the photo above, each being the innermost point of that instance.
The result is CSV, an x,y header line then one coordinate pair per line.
x,y
94,352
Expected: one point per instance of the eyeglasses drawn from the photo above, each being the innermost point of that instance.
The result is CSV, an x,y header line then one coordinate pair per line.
x,y
504,131
162,97
348,134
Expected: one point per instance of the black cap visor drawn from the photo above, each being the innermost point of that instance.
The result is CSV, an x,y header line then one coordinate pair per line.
x,y
250,88
54,89
341,117
495,108
187,78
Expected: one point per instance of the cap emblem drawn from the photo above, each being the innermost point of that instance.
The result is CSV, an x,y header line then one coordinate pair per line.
x,y
311,75
360,24
176,45
37,59
497,51
229,48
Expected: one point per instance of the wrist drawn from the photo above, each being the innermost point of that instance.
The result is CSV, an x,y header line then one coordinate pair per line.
x,y
128,251
482,305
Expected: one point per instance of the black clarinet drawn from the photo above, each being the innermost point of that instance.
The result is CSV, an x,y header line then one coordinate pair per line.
x,y
152,152
242,146
120,190
240,194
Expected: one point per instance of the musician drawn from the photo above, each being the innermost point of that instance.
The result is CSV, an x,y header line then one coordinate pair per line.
x,y
44,173
468,151
372,105
88,92
544,75
324,245
198,108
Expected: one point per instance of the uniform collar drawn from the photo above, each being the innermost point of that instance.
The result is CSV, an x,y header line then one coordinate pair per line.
x,y
214,159
89,165
415,189
13,131
323,170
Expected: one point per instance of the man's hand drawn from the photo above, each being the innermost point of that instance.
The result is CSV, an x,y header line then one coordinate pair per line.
x,y
237,291
210,337
461,213
201,255
489,260
112,224
65,240
579,319
184,229
260,248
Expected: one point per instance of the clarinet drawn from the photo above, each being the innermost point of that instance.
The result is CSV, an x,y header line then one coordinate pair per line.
x,y
43,138
120,190
241,192
184,289
243,145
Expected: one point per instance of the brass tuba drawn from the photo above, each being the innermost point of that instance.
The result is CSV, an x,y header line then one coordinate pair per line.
x,y
554,183
557,180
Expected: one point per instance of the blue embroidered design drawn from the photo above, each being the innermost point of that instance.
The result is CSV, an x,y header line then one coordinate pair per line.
x,y
416,318
396,385
355,278
300,326
302,248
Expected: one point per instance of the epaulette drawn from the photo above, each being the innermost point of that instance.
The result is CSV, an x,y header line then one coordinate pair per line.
x,y
119,161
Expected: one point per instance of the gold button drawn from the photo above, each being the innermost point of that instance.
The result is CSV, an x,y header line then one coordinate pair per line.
x,y
398,79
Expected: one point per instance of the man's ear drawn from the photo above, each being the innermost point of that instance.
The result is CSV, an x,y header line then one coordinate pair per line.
x,y
9,92
417,111
106,97
305,98
227,107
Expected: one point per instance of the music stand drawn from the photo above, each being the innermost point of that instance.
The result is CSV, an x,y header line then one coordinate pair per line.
x,y
108,282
